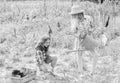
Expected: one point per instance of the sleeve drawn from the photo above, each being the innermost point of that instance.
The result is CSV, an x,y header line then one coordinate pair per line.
x,y
39,47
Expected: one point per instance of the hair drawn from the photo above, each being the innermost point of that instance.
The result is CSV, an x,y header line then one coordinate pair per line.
x,y
44,39
42,42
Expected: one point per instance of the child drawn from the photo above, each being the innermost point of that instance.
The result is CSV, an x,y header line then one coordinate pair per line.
x,y
42,55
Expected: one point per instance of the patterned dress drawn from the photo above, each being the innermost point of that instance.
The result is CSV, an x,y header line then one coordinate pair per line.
x,y
42,55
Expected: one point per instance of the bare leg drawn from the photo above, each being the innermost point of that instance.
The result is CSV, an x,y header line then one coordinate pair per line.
x,y
76,44
79,56
53,63
95,59
80,62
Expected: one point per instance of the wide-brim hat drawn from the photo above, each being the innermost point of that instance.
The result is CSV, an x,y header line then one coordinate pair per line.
x,y
76,10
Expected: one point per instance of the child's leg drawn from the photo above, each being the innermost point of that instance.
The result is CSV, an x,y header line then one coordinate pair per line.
x,y
76,44
80,62
54,61
95,59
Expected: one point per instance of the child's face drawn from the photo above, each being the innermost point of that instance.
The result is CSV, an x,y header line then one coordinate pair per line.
x,y
81,16
47,43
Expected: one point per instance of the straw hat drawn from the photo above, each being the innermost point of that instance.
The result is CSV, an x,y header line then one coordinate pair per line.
x,y
76,10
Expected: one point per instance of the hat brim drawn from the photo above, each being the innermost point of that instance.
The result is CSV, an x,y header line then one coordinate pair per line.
x,y
72,13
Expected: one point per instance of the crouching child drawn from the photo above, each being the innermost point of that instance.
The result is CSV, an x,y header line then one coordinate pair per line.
x,y
43,54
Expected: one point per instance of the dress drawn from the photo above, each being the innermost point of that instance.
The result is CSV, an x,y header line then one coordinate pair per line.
x,y
82,26
43,54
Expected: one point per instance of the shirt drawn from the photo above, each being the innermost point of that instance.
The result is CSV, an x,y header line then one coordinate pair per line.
x,y
42,48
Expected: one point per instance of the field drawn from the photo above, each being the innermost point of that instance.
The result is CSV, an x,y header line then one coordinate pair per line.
x,y
22,24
